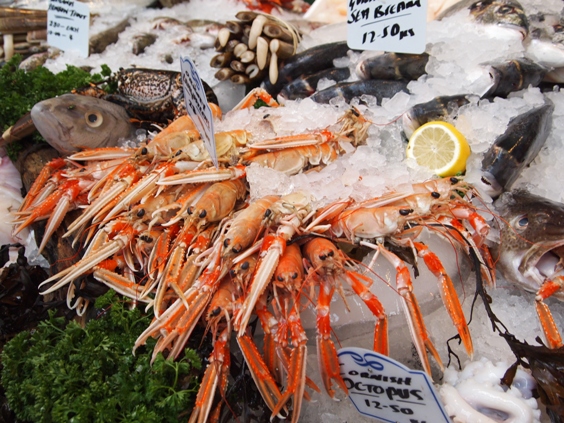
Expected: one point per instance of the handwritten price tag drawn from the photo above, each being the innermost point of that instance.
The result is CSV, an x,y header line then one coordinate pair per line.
x,y
197,105
382,388
387,25
68,22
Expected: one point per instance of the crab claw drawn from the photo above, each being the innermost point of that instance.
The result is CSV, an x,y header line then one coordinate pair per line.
x,y
551,332
448,294
417,326
105,153
254,96
41,180
381,344
216,374
326,352
265,382
202,176
273,248
118,283
83,265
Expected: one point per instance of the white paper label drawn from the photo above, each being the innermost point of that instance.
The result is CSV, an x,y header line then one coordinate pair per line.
x,y
68,24
382,388
388,25
197,105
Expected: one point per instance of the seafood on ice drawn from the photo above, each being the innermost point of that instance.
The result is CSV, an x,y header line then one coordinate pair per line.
x,y
160,226
223,280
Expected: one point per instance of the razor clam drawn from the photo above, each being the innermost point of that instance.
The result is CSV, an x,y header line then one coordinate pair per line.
x,y
307,62
13,20
305,86
504,13
516,148
436,109
348,90
387,65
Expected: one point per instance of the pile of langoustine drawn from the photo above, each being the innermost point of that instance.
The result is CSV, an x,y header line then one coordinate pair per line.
x,y
161,226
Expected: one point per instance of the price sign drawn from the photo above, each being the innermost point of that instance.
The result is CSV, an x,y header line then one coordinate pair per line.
x,y
388,25
68,22
197,105
382,388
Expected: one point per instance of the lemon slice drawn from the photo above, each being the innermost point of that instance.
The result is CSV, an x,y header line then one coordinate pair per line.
x,y
440,147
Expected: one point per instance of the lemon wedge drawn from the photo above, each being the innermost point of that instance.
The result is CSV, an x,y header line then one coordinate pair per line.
x,y
440,147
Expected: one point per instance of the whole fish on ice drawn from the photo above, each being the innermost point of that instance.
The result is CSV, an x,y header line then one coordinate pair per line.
x,y
73,122
531,247
530,252
516,148
503,13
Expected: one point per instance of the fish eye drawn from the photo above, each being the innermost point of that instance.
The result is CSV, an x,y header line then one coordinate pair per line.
x,y
93,119
504,10
522,222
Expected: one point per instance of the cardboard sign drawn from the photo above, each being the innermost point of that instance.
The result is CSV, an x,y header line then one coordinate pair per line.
x,y
197,105
387,25
382,388
68,24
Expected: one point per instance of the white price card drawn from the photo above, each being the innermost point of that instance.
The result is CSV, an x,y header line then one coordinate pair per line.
x,y
388,25
197,105
68,24
382,388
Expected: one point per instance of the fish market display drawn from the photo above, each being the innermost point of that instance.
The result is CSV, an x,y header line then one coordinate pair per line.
x,y
146,213
318,199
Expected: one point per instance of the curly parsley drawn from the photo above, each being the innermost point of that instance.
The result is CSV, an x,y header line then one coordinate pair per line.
x,y
62,372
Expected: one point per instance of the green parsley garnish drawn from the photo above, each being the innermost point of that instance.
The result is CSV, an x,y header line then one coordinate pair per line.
x,y
62,372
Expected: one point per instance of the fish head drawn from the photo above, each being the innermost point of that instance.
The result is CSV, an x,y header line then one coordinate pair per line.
x,y
72,122
545,44
531,247
503,13
506,13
